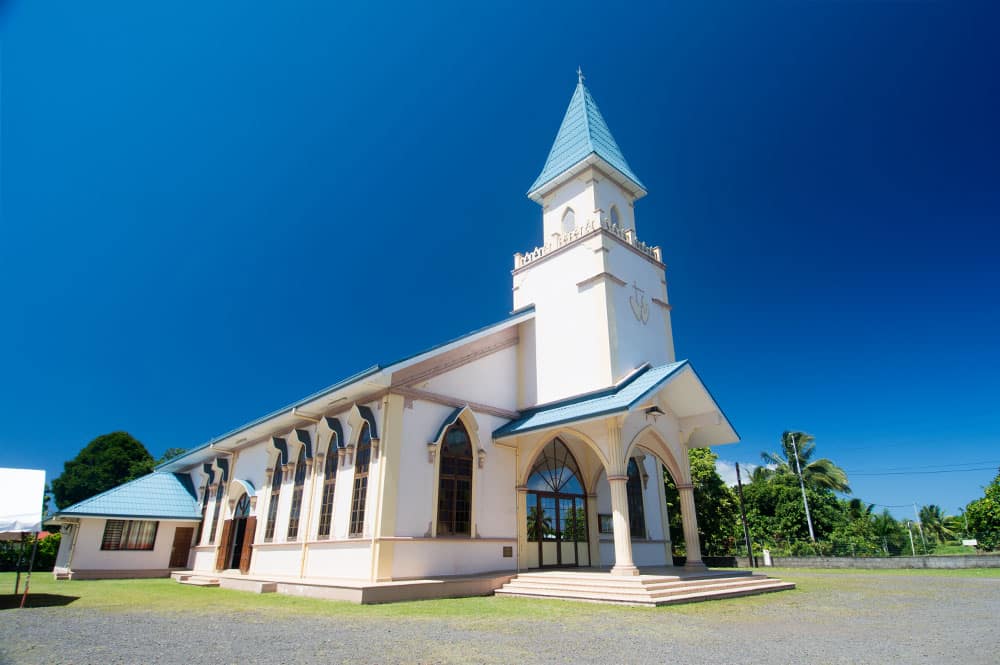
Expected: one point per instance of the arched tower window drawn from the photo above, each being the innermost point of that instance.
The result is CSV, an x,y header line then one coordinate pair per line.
x,y
300,481
636,510
362,459
329,485
455,483
615,218
272,508
568,221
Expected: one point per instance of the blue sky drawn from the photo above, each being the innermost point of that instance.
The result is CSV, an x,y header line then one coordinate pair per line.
x,y
209,212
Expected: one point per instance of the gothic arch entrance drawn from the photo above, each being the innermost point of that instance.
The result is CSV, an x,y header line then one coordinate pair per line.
x,y
240,545
557,510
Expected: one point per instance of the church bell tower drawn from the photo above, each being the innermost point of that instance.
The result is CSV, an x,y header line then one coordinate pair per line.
x,y
600,294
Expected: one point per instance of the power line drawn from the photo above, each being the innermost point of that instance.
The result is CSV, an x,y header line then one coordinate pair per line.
x,y
937,466
910,473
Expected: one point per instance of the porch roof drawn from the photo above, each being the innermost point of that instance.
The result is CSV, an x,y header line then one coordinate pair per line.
x,y
622,397
158,495
687,396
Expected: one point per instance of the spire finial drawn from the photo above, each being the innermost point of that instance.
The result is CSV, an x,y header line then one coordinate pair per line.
x,y
579,75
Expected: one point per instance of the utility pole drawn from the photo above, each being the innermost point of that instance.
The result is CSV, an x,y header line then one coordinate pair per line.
x,y
802,484
910,531
743,515
920,527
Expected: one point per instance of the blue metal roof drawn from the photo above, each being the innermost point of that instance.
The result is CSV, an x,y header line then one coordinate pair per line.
x,y
616,399
583,132
158,495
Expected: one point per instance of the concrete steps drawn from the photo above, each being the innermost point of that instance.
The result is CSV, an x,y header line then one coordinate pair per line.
x,y
195,580
642,589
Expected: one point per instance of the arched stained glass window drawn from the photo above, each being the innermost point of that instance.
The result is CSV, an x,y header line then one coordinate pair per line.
x,y
272,508
455,483
362,460
300,481
636,510
329,485
556,471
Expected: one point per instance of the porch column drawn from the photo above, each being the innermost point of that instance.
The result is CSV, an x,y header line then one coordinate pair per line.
x,y
690,519
623,534
522,527
618,482
593,532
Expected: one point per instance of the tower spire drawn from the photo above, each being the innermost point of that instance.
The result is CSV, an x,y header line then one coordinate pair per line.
x,y
584,140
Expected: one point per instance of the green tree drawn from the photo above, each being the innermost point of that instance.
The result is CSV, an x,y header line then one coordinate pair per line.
x,y
889,533
171,453
715,504
933,520
984,516
105,462
539,524
777,518
575,527
820,473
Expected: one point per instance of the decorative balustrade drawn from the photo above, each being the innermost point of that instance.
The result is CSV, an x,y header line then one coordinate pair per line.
x,y
560,240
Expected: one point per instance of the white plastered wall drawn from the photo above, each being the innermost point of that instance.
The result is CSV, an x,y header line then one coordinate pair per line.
x,y
572,348
647,337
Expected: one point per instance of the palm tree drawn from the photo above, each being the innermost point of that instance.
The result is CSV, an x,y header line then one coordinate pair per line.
x,y
857,509
885,527
934,520
820,473
539,524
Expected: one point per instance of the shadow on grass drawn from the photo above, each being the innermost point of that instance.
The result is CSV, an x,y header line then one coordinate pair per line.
x,y
10,601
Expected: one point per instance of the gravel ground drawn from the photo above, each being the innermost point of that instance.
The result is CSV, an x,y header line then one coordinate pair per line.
x,y
844,618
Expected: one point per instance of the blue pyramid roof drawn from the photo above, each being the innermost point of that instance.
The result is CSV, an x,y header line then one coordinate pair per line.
x,y
582,133
158,495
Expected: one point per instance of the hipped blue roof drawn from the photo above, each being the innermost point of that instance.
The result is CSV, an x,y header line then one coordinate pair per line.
x,y
617,399
158,495
583,132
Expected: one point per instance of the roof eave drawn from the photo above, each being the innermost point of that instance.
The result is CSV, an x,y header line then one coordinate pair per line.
x,y
55,519
377,375
539,190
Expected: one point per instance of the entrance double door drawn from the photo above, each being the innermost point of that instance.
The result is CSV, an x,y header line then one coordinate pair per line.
x,y
557,524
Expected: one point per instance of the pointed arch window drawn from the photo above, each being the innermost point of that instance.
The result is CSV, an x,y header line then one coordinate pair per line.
x,y
329,485
615,217
215,511
297,487
362,460
272,508
204,512
568,221
636,510
455,483
556,470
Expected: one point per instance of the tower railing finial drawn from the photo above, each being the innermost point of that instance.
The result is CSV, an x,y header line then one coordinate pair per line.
x,y
579,75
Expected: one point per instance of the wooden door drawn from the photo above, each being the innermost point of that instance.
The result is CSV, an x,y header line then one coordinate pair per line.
x,y
220,555
251,529
181,547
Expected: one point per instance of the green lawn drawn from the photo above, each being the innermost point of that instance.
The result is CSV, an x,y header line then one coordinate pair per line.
x,y
164,595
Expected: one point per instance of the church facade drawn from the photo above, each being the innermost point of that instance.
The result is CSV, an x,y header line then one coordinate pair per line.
x,y
539,441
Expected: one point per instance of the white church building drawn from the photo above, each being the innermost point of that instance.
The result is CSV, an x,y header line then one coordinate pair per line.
x,y
537,442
